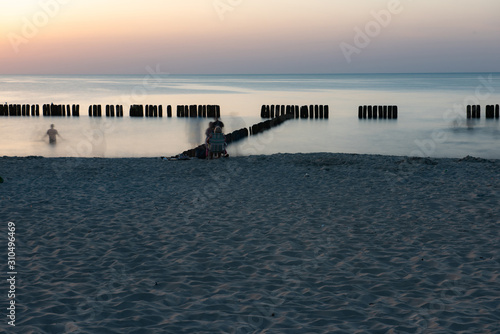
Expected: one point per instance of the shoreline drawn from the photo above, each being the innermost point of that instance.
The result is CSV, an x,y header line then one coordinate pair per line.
x,y
279,243
467,157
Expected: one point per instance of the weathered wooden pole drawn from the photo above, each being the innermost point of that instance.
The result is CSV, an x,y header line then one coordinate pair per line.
x,y
169,111
193,111
497,112
469,111
474,111
488,111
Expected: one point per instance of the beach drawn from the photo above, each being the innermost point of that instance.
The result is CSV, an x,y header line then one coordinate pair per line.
x,y
282,243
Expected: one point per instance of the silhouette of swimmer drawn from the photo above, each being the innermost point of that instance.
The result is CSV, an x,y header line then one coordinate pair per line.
x,y
52,133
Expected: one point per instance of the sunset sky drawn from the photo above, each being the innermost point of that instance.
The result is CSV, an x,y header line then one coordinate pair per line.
x,y
248,36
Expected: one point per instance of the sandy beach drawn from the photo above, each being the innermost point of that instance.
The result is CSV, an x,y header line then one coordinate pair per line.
x,y
287,243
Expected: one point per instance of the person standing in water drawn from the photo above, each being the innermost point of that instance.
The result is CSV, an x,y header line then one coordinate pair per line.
x,y
52,133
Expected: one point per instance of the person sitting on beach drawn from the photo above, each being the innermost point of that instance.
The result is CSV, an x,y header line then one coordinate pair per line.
x,y
216,143
218,122
52,133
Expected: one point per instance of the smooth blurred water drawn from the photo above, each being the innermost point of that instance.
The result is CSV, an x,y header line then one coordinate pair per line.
x,y
431,114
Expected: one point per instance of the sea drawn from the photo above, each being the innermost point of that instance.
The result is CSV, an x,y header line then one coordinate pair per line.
x,y
431,119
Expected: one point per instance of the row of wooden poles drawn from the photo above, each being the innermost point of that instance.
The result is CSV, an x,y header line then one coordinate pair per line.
x,y
374,112
194,111
313,111
96,110
255,129
34,110
149,111
474,111
205,111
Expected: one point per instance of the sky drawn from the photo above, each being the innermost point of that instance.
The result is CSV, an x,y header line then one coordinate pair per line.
x,y
248,36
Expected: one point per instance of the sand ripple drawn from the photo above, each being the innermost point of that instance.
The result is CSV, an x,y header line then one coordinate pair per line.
x,y
281,244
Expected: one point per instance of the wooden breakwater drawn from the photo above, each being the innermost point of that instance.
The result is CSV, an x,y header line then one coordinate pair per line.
x,y
474,111
15,110
149,111
111,111
269,124
203,111
240,134
232,137
493,111
26,110
294,111
377,112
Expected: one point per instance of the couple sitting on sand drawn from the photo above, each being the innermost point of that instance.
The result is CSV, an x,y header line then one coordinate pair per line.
x,y
215,140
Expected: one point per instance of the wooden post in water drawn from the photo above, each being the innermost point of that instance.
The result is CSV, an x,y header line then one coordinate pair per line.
x,y
360,112
327,112
488,111
497,112
370,112
469,111
474,111
395,112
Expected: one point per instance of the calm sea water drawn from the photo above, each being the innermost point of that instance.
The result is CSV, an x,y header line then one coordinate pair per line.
x,y
431,114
